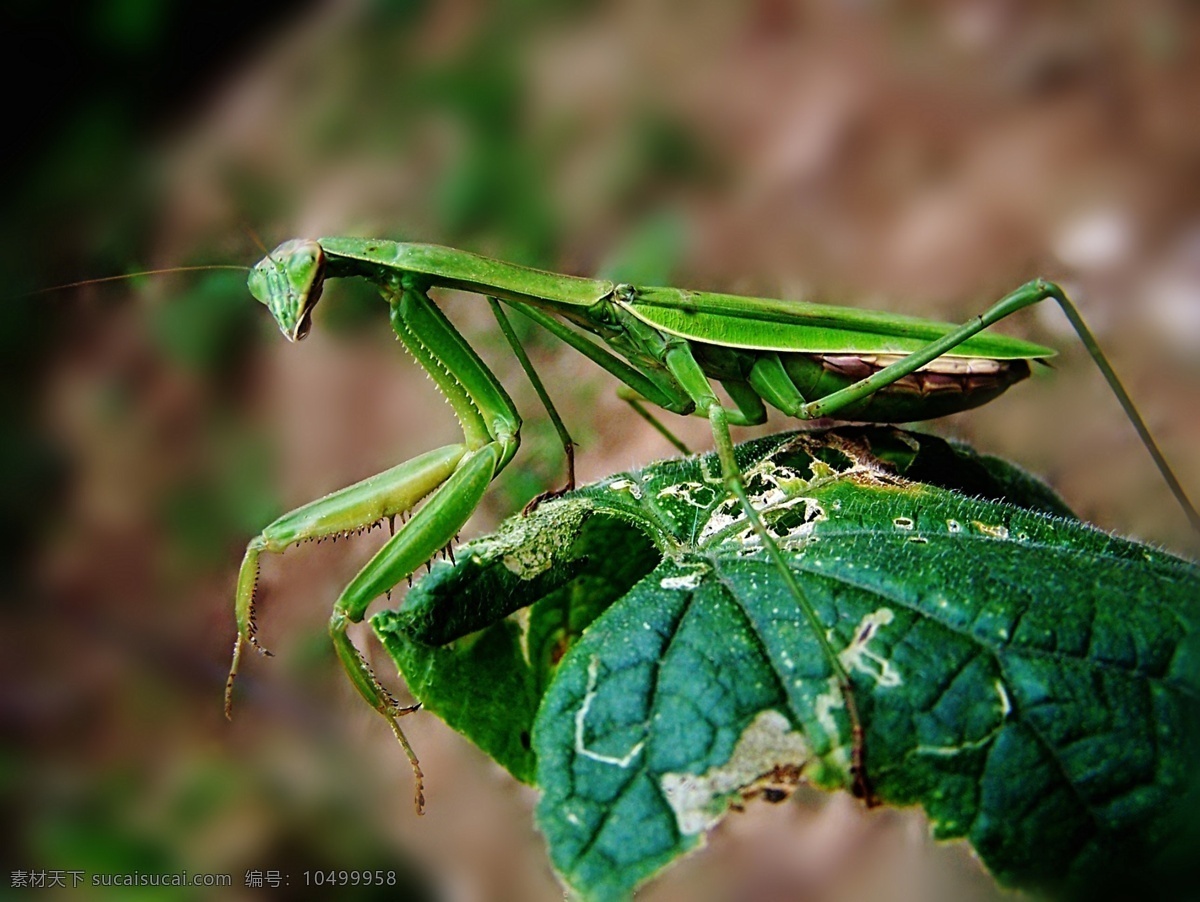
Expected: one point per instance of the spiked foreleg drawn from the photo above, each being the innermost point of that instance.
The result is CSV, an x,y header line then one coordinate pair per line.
x,y
349,510
491,430
429,530
457,476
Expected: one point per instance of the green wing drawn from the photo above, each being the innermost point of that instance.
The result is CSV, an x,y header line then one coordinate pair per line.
x,y
763,324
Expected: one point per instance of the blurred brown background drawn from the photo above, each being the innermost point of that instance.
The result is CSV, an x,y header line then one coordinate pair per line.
x,y
919,157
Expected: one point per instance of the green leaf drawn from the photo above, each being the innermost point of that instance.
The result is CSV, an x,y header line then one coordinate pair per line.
x,y
1029,680
485,675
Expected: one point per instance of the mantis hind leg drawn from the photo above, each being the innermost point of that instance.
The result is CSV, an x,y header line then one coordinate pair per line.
x,y
1031,293
691,377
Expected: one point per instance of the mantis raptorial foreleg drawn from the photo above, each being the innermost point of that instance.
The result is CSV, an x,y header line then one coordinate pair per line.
x,y
429,529
454,478
349,510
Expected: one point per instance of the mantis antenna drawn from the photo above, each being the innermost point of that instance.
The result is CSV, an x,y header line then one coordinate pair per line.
x,y
129,275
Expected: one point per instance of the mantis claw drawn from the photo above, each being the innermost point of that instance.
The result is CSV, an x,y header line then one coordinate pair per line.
x,y
247,627
538,499
261,649
380,698
395,711
568,486
233,669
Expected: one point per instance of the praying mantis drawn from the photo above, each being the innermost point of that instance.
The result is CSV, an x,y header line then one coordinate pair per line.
x,y
668,346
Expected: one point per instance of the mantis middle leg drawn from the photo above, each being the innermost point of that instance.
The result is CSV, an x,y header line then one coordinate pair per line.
x,y
564,437
691,377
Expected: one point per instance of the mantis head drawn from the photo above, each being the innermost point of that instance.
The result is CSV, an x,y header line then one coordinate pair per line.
x,y
289,281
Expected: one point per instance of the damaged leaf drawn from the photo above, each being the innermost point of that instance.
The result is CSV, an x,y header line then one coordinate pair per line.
x,y
1029,680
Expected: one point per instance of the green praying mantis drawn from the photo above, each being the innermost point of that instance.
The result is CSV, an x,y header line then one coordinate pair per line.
x,y
668,346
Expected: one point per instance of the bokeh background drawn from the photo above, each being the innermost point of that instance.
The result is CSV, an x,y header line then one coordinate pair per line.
x,y
921,157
